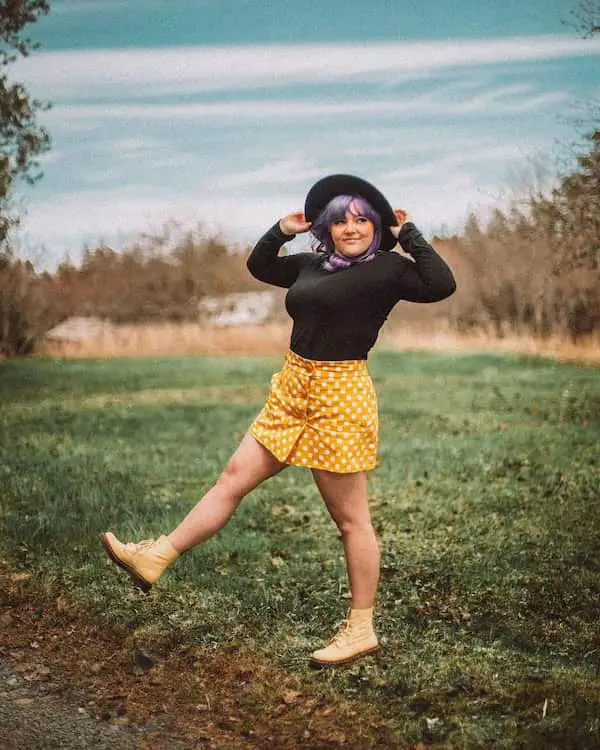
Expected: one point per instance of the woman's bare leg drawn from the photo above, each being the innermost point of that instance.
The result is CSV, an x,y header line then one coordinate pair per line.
x,y
346,498
250,465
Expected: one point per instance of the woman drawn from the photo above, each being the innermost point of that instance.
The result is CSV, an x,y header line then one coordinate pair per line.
x,y
321,411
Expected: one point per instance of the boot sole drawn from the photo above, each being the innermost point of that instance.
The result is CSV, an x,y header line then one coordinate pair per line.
x,y
141,583
342,662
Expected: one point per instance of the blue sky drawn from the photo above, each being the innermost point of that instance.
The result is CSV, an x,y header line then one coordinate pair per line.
x,y
224,112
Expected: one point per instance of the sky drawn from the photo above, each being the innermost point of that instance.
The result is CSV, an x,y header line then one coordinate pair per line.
x,y
223,113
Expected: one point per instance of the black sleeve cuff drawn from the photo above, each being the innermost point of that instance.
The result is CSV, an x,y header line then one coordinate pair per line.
x,y
407,228
276,230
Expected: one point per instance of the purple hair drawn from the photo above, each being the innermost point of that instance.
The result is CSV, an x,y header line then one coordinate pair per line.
x,y
336,210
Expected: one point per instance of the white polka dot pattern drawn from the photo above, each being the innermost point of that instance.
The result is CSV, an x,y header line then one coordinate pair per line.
x,y
321,414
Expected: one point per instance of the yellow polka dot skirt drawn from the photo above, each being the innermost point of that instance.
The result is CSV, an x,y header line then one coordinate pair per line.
x,y
321,414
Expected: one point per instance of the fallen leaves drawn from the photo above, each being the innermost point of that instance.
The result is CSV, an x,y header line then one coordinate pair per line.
x,y
220,699
291,697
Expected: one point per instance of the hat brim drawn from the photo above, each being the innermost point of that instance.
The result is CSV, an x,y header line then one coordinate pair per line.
x,y
345,184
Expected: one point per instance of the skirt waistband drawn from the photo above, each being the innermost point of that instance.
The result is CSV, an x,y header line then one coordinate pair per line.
x,y
312,365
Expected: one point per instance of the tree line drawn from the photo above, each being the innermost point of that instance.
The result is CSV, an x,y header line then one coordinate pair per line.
x,y
534,268
146,283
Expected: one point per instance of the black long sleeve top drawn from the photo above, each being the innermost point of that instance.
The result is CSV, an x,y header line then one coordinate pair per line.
x,y
337,315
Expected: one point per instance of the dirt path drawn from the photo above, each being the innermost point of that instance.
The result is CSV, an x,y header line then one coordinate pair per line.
x,y
65,683
35,715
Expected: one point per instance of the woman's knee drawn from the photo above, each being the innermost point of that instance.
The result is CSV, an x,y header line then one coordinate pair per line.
x,y
348,525
243,472
232,476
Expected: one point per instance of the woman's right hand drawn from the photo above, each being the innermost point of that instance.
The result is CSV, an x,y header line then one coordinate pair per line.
x,y
294,223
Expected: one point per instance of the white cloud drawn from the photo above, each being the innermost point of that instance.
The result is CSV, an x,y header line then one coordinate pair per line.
x,y
459,160
50,157
64,7
501,100
238,208
132,148
273,173
144,72
117,216
438,131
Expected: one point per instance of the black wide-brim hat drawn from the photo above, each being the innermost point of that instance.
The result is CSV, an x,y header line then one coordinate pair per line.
x,y
346,184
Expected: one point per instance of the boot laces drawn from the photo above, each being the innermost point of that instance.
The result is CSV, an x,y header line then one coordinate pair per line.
x,y
343,635
139,546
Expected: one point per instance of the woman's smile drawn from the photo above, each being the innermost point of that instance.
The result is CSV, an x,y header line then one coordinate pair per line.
x,y
352,235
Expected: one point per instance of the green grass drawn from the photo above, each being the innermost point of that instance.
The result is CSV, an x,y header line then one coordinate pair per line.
x,y
487,504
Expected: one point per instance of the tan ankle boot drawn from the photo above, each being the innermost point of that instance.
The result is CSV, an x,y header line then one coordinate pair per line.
x,y
355,638
145,562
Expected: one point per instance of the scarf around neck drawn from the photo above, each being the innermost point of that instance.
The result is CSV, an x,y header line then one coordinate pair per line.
x,y
337,261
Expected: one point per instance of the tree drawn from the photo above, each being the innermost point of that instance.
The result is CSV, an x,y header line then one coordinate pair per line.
x,y
536,265
22,139
586,17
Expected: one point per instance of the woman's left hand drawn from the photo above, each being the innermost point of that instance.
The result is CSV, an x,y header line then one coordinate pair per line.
x,y
402,216
294,223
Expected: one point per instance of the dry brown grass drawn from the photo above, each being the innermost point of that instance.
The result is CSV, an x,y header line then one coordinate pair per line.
x,y
174,339
586,351
169,339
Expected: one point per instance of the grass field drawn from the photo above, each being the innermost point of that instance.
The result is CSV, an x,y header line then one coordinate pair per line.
x,y
487,504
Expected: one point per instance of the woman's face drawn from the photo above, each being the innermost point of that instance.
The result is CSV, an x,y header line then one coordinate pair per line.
x,y
352,235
